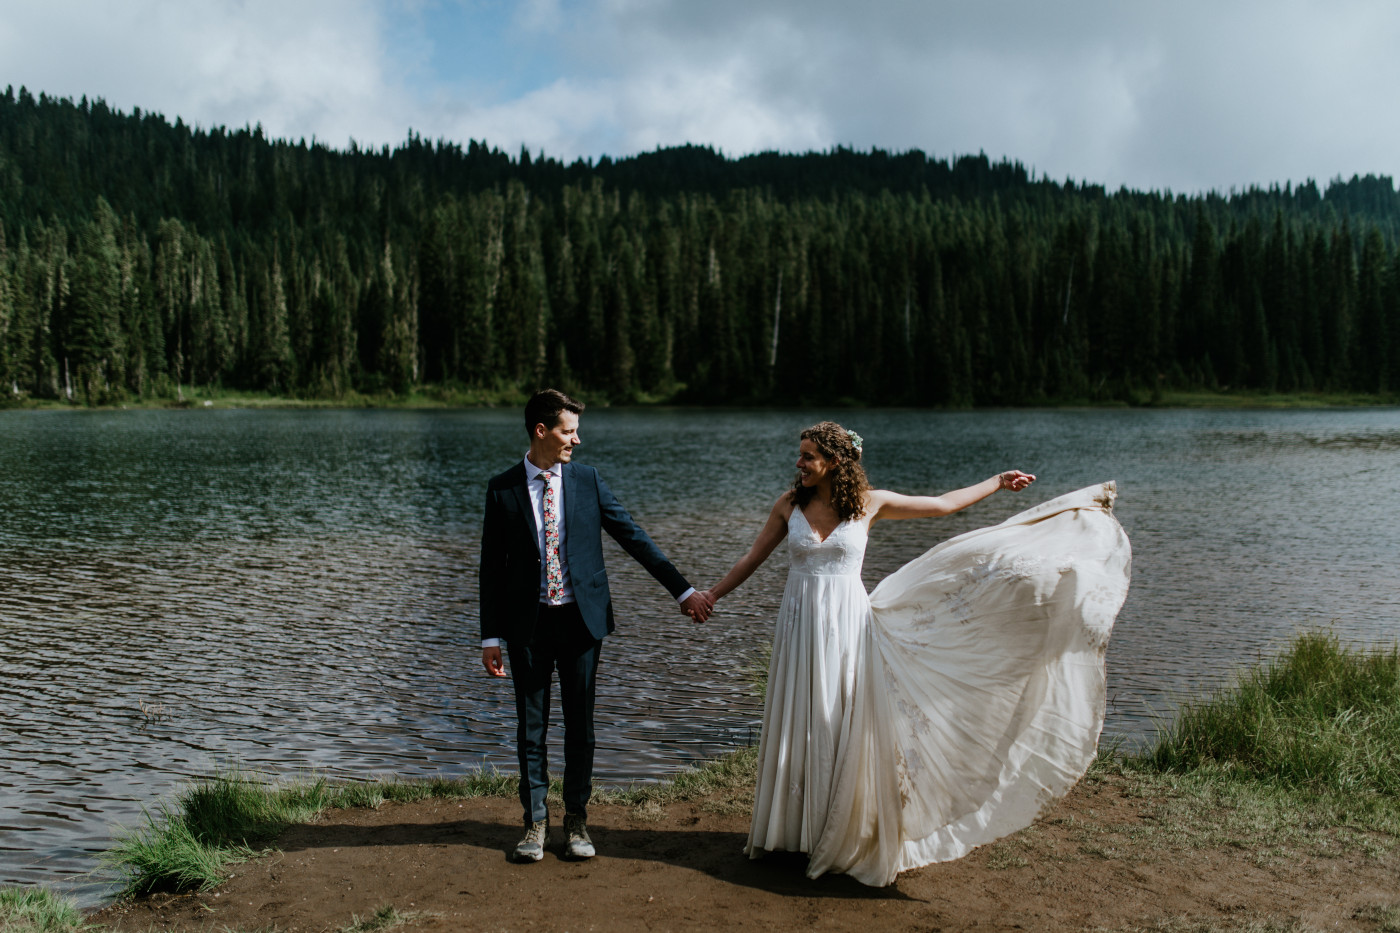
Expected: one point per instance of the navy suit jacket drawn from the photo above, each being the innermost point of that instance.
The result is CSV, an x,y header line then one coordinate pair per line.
x,y
510,557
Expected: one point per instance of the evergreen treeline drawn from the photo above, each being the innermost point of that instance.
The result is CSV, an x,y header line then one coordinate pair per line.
x,y
136,256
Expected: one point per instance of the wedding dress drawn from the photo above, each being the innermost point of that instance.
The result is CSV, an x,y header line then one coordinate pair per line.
x,y
949,707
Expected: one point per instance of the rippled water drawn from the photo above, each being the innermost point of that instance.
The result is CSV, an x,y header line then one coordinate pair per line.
x,y
293,591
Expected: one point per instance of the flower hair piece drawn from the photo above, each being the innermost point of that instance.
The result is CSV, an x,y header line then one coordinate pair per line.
x,y
856,439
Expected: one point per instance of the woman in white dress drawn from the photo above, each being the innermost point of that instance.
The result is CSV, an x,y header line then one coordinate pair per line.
x,y
951,705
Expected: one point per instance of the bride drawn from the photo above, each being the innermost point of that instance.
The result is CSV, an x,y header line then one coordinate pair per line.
x,y
950,706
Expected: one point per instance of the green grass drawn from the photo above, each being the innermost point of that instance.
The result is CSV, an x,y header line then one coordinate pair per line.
x,y
37,910
1320,717
203,397
385,918
756,669
1300,754
1217,925
726,783
456,395
232,816
431,395
1386,917
1258,399
213,822
1385,920
1295,758
1195,811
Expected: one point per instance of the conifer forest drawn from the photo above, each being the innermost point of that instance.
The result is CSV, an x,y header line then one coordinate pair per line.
x,y
139,255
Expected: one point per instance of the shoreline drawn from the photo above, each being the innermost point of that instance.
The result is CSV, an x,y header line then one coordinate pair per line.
x,y
436,398
1273,802
1119,854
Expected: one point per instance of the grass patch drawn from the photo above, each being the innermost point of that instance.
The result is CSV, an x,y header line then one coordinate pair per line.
x,y
232,816
37,910
1214,925
755,671
214,822
726,782
1320,717
1257,399
1301,754
205,397
504,395
1003,858
1214,809
1386,917
387,917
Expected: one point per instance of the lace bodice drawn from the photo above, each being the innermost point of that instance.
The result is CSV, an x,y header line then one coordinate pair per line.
x,y
841,553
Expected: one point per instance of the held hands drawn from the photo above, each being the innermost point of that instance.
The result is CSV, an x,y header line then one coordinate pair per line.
x,y
698,606
1015,480
491,660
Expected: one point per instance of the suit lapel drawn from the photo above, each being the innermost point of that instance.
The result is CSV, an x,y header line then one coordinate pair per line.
x,y
522,495
570,495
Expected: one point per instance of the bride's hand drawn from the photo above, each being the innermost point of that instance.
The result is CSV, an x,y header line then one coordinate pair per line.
x,y
1015,480
698,605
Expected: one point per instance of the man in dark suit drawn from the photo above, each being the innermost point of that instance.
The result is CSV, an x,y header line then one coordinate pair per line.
x,y
544,592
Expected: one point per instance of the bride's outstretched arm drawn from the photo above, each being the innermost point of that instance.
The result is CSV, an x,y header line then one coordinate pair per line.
x,y
886,504
774,530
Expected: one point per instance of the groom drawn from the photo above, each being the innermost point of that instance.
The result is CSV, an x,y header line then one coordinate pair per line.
x,y
544,592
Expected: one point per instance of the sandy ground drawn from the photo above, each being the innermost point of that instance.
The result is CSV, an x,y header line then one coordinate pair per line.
x,y
444,864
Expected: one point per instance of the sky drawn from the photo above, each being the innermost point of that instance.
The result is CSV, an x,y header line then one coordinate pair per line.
x,y
1186,95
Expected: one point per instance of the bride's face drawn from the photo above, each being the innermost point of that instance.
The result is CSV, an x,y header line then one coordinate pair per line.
x,y
811,465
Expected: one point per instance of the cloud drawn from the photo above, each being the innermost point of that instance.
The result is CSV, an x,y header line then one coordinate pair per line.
x,y
658,100
1271,93
1188,95
311,67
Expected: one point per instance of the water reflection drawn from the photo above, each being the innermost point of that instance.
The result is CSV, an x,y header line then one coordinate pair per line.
x,y
293,591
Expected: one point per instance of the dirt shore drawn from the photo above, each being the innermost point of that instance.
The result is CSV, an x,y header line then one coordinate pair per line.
x,y
1096,862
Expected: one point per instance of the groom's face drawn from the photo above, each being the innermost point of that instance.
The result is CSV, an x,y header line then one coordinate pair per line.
x,y
557,444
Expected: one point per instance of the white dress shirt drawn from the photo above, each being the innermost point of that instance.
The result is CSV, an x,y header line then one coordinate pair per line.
x,y
536,487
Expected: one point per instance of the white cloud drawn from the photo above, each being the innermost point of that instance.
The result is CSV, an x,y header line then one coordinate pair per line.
x,y
1189,95
1186,95
313,67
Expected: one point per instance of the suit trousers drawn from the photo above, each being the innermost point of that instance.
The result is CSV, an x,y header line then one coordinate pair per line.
x,y
561,643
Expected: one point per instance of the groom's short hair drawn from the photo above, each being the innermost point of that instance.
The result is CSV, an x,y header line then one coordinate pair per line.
x,y
545,407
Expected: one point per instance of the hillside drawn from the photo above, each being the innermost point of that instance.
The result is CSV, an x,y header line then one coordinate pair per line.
x,y
137,254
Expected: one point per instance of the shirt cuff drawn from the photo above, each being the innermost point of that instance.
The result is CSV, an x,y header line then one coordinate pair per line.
x,y
490,643
686,595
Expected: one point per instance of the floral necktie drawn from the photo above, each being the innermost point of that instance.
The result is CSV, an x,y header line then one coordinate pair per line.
x,y
553,569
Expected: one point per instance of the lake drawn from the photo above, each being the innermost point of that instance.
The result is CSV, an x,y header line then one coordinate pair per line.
x,y
294,591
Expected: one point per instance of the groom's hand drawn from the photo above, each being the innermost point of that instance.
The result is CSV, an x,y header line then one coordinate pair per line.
x,y
491,660
698,606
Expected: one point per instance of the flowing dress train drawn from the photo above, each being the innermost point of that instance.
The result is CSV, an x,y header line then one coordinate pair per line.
x,y
951,705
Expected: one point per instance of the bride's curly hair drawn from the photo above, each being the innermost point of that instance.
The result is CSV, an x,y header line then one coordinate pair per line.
x,y
848,482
